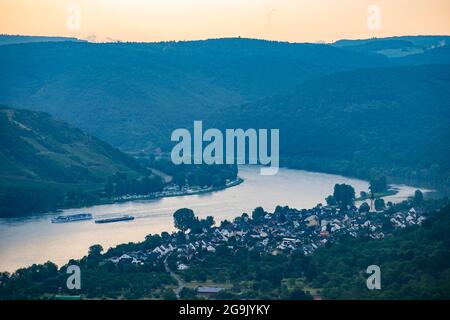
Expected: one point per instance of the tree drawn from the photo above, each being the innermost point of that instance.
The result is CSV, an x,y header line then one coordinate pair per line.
x,y
208,222
298,294
344,194
225,223
418,197
379,204
258,214
188,294
364,207
169,295
184,219
152,241
331,201
95,250
378,185
165,236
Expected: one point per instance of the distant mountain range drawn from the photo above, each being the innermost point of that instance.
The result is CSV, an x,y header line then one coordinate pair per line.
x,y
18,39
133,95
395,46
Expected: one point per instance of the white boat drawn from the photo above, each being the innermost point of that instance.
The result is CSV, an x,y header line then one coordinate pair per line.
x,y
72,218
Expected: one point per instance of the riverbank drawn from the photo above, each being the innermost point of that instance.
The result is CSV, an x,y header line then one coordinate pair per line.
x,y
336,167
161,195
181,193
389,192
287,233
33,239
153,196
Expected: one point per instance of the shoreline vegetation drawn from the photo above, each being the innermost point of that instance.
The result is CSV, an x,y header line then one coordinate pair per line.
x,y
386,193
154,196
189,191
379,189
185,192
48,165
57,176
157,195
333,168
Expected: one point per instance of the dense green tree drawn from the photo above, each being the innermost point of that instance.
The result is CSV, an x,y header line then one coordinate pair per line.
x,y
299,294
418,197
152,241
169,295
258,214
378,185
379,204
95,250
188,294
364,207
344,194
208,222
331,201
184,219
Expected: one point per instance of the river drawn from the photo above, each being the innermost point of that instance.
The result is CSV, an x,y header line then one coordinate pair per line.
x,y
28,240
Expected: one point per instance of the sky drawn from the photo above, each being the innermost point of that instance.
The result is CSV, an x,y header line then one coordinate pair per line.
x,y
284,20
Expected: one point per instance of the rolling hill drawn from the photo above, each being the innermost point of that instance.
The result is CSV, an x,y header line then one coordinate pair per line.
x,y
133,95
17,39
41,156
34,146
415,264
439,55
392,121
395,47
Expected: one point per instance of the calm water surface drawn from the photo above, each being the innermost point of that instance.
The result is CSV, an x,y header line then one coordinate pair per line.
x,y
24,241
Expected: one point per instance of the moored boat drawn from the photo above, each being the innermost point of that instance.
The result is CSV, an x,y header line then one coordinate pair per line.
x,y
109,220
72,218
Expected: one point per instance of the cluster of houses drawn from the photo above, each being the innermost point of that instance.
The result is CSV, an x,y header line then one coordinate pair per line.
x,y
284,230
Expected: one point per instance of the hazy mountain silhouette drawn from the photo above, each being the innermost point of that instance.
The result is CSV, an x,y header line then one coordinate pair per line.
x,y
133,95
18,39
391,120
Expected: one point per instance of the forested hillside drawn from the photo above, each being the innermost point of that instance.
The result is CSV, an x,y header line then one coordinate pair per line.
x,y
341,108
34,146
436,56
414,263
41,160
392,121
133,95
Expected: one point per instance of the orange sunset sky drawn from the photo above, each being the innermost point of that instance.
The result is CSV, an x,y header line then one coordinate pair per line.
x,y
287,20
